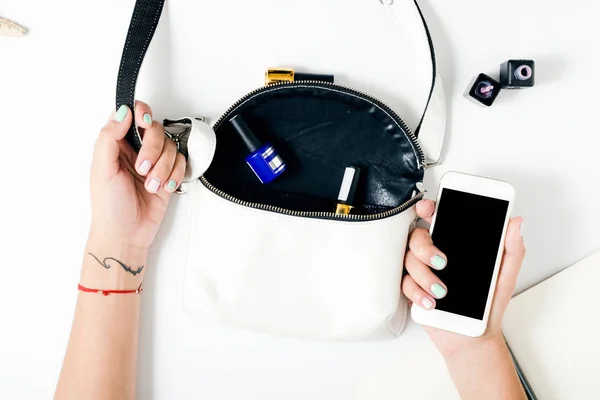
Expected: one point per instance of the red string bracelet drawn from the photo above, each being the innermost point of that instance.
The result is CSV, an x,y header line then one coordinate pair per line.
x,y
107,292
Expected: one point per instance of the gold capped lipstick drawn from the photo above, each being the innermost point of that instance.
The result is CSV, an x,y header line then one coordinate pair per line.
x,y
348,191
276,75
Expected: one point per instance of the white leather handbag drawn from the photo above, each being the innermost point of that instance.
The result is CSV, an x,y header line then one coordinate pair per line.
x,y
277,258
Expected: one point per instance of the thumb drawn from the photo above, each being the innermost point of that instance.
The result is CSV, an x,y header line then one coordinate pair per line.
x,y
514,253
107,148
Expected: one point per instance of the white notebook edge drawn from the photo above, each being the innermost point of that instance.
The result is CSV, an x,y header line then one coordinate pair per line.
x,y
573,272
569,269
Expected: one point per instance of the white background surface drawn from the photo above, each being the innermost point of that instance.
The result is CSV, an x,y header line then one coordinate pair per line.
x,y
57,89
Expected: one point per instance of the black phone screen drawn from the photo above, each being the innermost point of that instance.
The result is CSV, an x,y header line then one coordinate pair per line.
x,y
468,229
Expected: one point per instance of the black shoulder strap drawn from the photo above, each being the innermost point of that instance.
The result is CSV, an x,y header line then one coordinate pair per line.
x,y
434,66
144,21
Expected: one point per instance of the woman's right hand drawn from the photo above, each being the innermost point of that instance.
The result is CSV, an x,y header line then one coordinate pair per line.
x,y
422,286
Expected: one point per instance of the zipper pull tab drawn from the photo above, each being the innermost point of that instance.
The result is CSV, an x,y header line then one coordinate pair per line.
x,y
420,187
420,190
196,140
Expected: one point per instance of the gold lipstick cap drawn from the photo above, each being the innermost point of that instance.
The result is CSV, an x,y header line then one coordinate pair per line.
x,y
343,209
275,75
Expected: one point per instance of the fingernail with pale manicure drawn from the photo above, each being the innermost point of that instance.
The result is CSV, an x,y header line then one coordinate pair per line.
x,y
522,228
121,113
153,185
438,290
438,262
144,167
172,185
428,304
148,119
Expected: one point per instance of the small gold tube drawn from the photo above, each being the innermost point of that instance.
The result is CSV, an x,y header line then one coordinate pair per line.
x,y
343,209
275,75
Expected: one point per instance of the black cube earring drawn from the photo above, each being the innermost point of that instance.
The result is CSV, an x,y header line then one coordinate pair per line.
x,y
517,74
485,90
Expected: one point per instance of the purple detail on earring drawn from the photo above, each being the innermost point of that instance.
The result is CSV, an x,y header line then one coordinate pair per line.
x,y
485,89
523,73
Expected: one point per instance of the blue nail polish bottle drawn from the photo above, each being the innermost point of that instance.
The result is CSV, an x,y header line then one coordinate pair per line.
x,y
263,159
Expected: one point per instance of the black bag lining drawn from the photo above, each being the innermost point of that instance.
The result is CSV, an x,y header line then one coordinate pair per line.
x,y
318,131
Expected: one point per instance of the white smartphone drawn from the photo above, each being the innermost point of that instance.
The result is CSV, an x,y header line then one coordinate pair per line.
x,y
469,226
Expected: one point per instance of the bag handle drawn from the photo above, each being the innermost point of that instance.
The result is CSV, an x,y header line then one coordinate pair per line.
x,y
144,21
431,128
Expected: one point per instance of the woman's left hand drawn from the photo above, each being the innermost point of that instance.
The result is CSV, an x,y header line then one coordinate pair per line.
x,y
130,191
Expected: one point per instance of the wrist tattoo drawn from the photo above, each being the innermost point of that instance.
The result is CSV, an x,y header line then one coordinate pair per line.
x,y
104,263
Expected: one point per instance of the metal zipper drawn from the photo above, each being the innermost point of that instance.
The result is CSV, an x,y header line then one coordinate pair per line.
x,y
321,214
313,214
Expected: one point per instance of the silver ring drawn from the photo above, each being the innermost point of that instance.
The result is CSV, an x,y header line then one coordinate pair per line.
x,y
174,137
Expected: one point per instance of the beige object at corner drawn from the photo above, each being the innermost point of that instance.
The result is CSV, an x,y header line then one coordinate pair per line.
x,y
553,329
10,29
